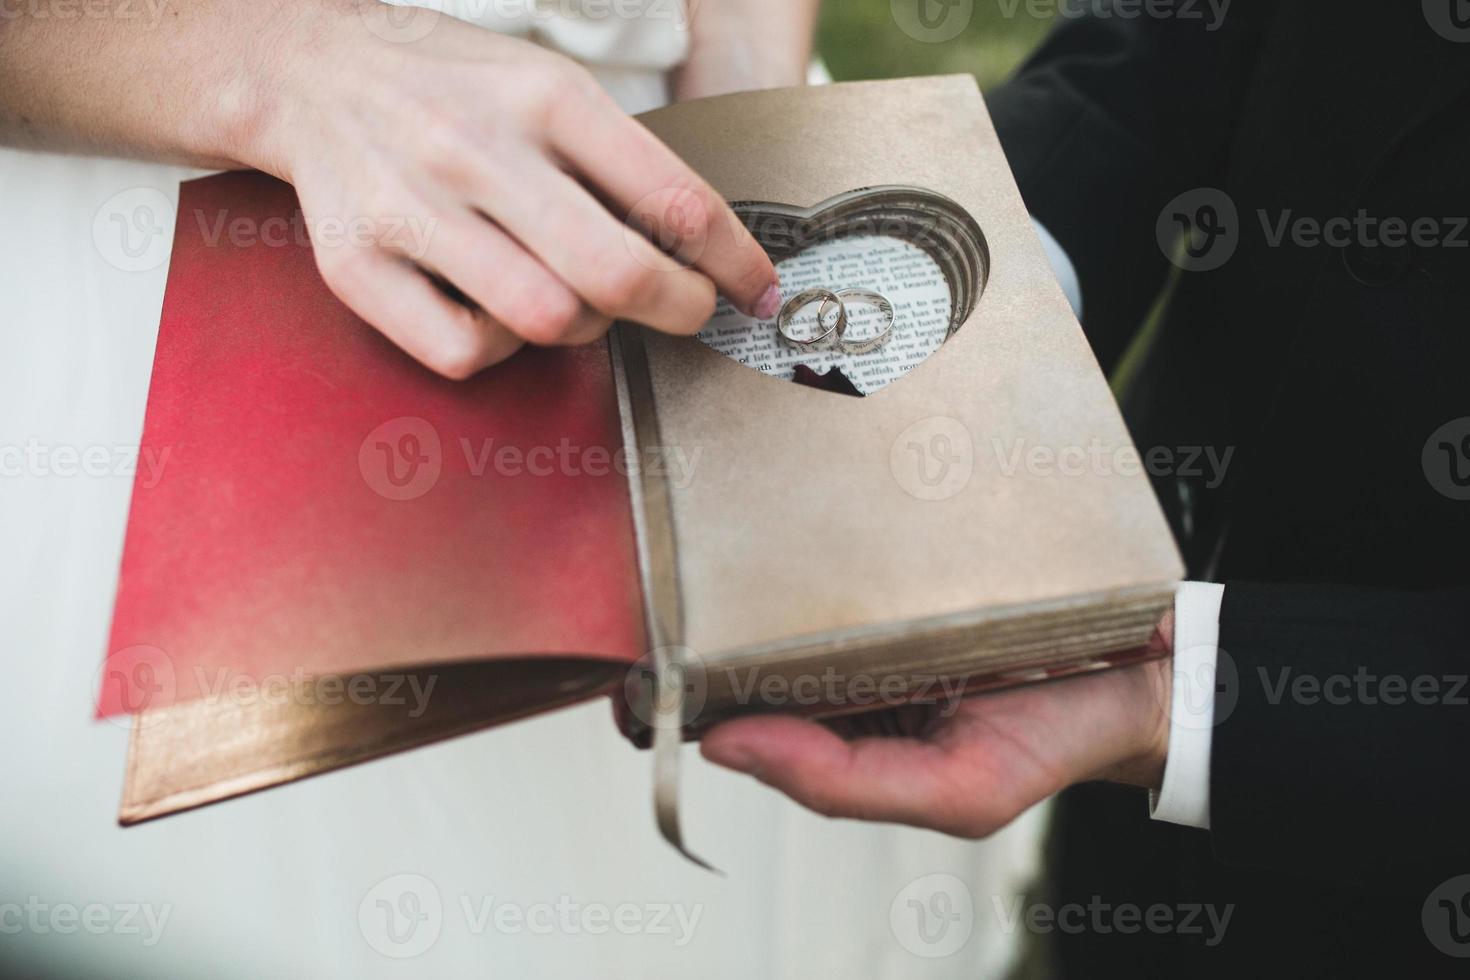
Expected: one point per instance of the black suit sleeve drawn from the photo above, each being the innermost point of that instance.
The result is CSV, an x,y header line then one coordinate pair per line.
x,y
1111,118
1341,751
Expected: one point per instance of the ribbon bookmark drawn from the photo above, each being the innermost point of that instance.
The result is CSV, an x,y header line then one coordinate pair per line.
x,y
659,576
670,683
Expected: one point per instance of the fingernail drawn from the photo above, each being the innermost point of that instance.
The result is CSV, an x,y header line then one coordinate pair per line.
x,y
769,304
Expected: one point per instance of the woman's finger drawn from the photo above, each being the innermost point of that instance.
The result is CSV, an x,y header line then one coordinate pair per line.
x,y
665,199
396,297
616,272
510,284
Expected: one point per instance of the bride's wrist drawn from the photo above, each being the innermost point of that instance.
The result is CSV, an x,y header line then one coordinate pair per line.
x,y
291,61
765,40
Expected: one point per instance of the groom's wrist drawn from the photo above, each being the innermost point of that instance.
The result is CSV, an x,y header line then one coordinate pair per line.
x,y
1145,767
1144,751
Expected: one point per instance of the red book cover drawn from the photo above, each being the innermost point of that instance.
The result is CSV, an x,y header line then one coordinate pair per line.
x,y
321,504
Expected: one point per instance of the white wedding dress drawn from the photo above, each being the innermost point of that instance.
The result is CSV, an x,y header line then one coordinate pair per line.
x,y
528,851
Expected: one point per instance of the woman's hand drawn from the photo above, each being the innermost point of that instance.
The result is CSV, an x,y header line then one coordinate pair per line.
x,y
739,45
976,770
503,170
488,185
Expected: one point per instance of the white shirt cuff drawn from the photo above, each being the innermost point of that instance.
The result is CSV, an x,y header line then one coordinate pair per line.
x,y
1061,267
1184,797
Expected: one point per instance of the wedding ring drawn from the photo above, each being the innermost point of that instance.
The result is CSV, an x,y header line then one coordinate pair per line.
x,y
883,305
830,337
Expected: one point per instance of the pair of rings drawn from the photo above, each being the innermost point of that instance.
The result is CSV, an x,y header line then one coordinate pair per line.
x,y
832,338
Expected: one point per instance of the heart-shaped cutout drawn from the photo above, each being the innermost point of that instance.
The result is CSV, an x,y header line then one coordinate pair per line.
x,y
919,249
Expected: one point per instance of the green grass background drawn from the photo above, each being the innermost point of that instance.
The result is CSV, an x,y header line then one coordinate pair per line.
x,y
861,39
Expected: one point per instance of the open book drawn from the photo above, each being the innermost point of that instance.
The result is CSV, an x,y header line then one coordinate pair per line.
x,y
346,556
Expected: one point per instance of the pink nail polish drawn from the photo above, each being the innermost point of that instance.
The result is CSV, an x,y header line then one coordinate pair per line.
x,y
769,304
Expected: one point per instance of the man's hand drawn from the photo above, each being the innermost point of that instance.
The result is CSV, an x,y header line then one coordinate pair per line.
x,y
975,771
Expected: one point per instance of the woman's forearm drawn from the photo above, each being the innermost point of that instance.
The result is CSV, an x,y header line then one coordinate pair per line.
x,y
746,44
186,81
775,35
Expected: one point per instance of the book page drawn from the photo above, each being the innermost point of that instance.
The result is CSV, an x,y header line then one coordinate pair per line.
x,y
898,269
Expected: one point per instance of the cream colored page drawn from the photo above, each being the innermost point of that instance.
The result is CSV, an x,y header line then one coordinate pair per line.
x,y
899,270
